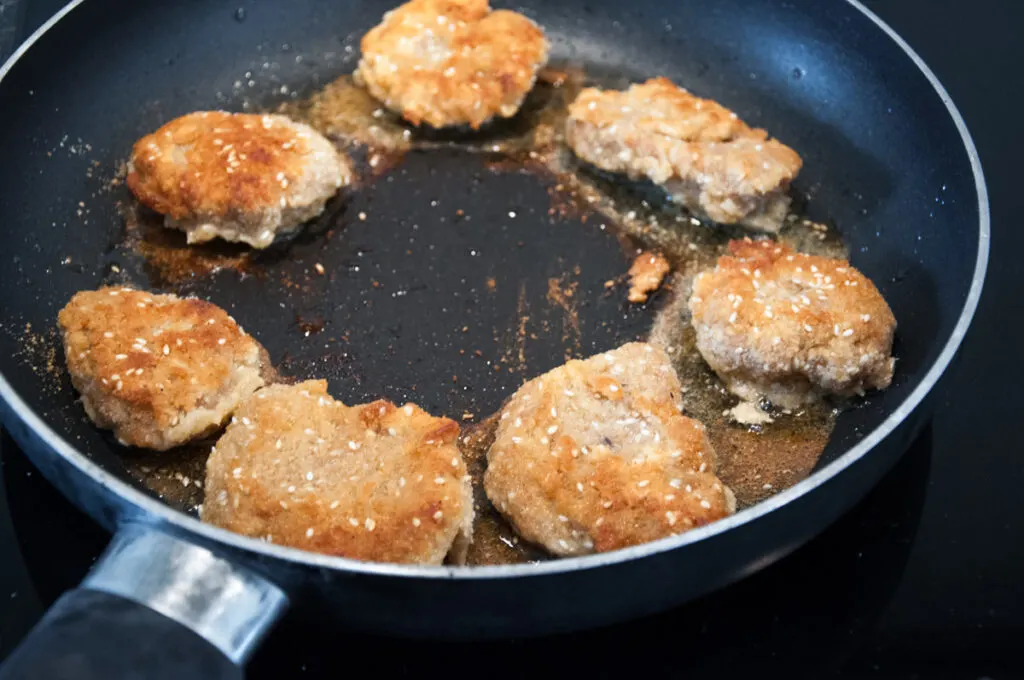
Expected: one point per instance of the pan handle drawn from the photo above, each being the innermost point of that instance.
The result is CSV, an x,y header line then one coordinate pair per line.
x,y
154,606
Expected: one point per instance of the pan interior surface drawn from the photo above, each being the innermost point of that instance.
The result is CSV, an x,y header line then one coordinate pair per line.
x,y
884,164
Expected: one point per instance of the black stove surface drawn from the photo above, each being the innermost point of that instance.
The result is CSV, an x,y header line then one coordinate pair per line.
x,y
924,579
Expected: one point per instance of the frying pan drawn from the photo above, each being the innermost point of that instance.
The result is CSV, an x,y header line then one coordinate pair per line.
x,y
887,159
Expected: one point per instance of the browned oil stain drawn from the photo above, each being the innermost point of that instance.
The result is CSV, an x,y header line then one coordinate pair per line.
x,y
170,258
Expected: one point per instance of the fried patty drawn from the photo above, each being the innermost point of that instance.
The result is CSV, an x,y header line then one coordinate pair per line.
x,y
237,176
452,62
791,327
708,159
595,455
372,482
158,370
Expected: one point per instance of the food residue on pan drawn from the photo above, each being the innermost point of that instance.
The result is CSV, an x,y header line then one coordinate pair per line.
x,y
646,275
759,453
747,413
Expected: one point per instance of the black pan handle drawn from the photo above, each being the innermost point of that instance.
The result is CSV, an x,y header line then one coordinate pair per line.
x,y
153,607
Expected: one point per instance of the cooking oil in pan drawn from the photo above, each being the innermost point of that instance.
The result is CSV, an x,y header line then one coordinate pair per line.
x,y
459,266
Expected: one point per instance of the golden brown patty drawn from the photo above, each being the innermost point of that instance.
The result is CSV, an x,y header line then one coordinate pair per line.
x,y
703,154
372,482
158,370
790,327
452,62
595,455
238,176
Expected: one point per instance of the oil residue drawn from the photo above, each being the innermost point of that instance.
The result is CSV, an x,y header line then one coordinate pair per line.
x,y
755,461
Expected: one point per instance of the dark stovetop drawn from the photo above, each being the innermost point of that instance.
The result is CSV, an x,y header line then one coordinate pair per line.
x,y
924,579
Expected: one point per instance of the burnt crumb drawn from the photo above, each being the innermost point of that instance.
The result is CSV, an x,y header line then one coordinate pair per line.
x,y
309,325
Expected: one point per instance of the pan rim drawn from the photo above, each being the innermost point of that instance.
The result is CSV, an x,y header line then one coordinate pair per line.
x,y
188,525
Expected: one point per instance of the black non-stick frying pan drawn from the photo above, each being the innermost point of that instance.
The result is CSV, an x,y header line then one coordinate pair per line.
x,y
404,310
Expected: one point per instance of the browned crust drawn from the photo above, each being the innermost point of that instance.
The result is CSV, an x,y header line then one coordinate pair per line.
x,y
217,163
770,320
145,364
452,62
372,482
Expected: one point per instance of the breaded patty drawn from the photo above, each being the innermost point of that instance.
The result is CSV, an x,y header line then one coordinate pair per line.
x,y
158,370
372,482
595,455
790,327
237,176
452,62
708,159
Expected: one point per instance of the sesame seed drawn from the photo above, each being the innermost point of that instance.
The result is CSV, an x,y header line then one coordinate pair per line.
x,y
848,332
415,521
221,341
439,480
309,532
642,483
319,268
369,524
704,504
120,357
353,521
438,515
309,476
334,504
671,517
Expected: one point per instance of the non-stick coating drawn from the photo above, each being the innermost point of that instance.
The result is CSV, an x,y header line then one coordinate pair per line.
x,y
884,161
